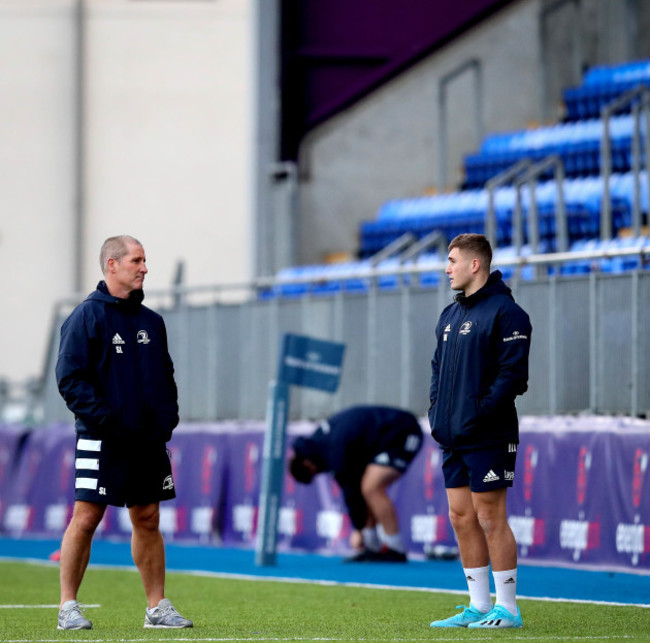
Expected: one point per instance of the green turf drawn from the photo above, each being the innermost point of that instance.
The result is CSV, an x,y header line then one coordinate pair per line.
x,y
224,609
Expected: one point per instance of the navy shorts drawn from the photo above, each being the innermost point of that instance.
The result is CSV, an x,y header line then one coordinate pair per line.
x,y
485,470
401,452
110,473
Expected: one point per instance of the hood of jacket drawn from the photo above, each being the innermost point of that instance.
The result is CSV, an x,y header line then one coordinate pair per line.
x,y
493,286
132,302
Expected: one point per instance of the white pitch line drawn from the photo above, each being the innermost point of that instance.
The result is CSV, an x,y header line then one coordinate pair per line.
x,y
15,607
322,582
618,637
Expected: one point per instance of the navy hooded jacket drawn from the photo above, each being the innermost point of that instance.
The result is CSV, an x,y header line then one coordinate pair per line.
x,y
347,442
478,368
114,370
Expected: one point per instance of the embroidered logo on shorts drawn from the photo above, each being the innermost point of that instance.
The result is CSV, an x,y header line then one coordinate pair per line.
x,y
168,483
508,475
490,476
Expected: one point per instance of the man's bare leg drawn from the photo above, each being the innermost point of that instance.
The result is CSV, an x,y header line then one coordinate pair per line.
x,y
374,485
472,543
492,516
148,551
76,546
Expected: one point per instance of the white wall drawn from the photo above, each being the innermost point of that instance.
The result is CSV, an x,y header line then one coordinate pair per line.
x,y
36,175
167,150
169,98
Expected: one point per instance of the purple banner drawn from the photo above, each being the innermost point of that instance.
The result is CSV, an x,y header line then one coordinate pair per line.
x,y
581,495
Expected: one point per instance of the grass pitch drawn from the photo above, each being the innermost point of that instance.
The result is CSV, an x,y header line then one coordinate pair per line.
x,y
247,610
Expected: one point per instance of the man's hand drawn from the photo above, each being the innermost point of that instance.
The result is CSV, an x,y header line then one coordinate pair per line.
x,y
356,539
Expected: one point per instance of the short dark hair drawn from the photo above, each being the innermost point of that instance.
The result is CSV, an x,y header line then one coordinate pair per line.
x,y
475,244
299,470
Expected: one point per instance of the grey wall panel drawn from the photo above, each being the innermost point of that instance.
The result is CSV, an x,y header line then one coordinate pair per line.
x,y
614,345
589,349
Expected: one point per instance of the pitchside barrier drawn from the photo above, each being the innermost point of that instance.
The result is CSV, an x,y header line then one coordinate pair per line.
x,y
581,494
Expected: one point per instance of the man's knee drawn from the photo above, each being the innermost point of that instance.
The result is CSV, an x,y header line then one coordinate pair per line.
x,y
145,517
87,516
463,519
376,480
491,512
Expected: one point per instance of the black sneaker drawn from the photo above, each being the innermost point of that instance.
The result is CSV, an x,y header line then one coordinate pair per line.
x,y
387,555
363,556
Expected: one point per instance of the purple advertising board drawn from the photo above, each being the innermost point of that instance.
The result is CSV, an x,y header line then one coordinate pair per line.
x,y
581,495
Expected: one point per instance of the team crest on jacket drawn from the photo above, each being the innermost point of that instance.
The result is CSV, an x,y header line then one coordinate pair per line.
x,y
143,337
465,328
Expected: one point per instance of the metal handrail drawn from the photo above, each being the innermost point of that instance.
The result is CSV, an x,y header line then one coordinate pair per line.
x,y
503,178
640,92
266,283
530,178
435,238
393,248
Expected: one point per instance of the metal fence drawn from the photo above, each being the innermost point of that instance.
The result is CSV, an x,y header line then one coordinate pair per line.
x,y
589,353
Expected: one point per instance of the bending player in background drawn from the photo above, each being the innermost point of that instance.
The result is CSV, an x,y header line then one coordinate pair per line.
x,y
366,449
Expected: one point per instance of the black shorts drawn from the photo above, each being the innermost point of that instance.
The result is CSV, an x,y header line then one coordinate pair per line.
x,y
485,470
401,452
110,473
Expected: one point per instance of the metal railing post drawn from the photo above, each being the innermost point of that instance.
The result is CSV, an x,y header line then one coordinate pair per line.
x,y
640,92
636,170
530,178
501,179
605,173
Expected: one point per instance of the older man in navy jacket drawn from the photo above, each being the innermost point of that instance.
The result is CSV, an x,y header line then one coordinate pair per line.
x,y
479,366
115,374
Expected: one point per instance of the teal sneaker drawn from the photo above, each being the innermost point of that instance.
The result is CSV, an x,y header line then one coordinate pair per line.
x,y
468,616
499,617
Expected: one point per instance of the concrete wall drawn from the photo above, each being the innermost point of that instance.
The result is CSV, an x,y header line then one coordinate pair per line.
x,y
389,145
37,167
507,73
162,150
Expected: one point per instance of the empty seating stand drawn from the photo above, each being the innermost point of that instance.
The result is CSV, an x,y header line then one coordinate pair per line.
x,y
465,212
577,142
601,85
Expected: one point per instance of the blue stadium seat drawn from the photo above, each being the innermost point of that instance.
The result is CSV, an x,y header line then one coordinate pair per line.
x,y
603,84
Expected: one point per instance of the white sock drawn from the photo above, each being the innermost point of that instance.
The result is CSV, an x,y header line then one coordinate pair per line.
x,y
393,541
505,584
478,584
370,539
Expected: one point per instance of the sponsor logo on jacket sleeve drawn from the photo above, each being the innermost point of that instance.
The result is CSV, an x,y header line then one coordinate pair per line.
x,y
515,336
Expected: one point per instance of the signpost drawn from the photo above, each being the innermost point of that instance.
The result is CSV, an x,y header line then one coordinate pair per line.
x,y
304,361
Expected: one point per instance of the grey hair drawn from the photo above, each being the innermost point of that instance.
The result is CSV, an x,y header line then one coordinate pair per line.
x,y
115,248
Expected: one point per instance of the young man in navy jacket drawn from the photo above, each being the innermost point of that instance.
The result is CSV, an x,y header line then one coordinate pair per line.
x,y
479,366
115,374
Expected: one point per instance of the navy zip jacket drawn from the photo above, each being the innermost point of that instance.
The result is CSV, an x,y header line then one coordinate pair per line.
x,y
346,443
114,370
478,368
